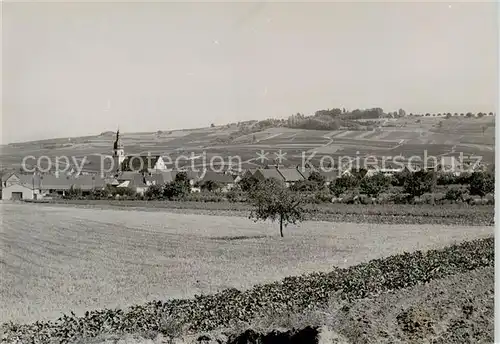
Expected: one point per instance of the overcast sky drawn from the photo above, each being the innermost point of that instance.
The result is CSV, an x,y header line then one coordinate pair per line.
x,y
72,69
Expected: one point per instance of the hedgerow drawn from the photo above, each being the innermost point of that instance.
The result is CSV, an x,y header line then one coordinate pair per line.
x,y
293,294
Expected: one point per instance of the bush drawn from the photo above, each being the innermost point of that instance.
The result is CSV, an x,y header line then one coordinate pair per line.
x,y
374,185
455,194
343,184
481,184
364,199
419,183
323,196
154,192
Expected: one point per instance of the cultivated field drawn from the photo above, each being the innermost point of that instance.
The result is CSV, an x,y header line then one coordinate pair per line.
x,y
62,259
407,136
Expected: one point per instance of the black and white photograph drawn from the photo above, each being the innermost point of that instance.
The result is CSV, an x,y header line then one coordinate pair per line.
x,y
248,172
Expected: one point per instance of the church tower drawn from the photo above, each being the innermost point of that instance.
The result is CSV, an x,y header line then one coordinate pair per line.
x,y
118,151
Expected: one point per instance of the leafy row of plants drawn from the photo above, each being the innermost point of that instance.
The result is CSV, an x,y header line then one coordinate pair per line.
x,y
231,306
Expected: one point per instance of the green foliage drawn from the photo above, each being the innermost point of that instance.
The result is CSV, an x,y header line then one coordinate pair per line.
x,y
343,184
304,186
399,178
481,184
374,185
248,183
210,186
74,193
175,190
455,194
317,178
272,200
182,179
420,182
154,192
231,306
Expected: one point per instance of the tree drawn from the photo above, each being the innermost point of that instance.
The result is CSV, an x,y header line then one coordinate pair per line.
x,y
342,184
182,179
210,185
212,125
174,190
469,114
374,185
455,194
481,184
419,183
401,113
178,188
304,186
74,192
317,178
399,178
154,191
448,115
248,183
272,200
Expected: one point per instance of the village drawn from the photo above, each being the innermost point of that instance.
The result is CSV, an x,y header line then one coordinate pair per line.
x,y
137,173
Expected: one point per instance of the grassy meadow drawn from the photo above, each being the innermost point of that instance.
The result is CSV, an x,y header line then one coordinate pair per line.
x,y
61,259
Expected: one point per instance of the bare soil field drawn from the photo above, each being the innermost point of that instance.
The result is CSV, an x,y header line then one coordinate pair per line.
x,y
61,259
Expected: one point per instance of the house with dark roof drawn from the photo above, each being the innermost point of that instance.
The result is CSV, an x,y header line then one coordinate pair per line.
x,y
224,180
88,182
290,175
248,173
267,173
142,181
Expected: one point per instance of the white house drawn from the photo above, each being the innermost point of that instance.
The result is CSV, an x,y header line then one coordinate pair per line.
x,y
19,186
19,192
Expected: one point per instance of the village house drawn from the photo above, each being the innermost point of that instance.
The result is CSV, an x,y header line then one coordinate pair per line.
x,y
142,181
225,181
267,173
18,186
141,163
290,175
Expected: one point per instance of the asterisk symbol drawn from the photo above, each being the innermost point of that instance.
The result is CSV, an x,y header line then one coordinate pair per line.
x,y
280,156
262,156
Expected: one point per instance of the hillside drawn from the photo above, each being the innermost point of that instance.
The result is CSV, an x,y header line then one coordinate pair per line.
x,y
407,136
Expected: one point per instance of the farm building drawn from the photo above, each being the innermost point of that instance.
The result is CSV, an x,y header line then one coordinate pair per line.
x,y
140,182
17,186
225,181
249,173
19,192
305,172
29,186
290,175
192,176
267,173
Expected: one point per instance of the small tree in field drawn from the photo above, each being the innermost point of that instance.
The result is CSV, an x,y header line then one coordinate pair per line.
x,y
272,200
